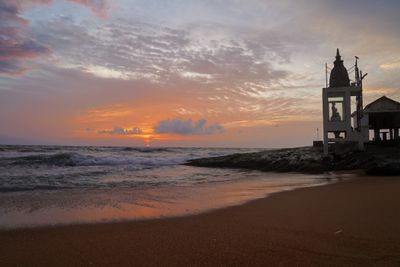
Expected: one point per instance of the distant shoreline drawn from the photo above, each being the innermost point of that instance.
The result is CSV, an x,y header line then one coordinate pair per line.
x,y
375,160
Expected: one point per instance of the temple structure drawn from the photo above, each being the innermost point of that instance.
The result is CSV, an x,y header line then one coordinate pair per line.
x,y
383,118
337,97
347,125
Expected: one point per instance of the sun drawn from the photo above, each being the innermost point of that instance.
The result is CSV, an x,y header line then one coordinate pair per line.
x,y
147,142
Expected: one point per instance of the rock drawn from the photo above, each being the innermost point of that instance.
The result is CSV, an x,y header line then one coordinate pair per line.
x,y
384,160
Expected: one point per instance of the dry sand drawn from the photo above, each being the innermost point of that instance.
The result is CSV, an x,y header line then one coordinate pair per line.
x,y
352,223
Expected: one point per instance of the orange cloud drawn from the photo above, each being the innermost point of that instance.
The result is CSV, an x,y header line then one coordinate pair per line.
x,y
109,113
391,65
97,6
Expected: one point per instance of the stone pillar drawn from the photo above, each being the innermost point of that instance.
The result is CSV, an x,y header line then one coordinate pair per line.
x,y
326,145
325,116
384,136
376,135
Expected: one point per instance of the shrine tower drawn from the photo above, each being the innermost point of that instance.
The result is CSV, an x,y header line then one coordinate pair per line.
x,y
339,133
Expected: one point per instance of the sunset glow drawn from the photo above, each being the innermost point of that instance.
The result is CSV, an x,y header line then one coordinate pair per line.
x,y
195,73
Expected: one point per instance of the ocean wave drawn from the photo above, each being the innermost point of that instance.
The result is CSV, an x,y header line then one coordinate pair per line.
x,y
32,188
80,184
71,159
46,149
146,149
59,159
51,168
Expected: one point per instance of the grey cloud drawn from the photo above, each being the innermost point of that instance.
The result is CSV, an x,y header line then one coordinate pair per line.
x,y
23,49
176,60
16,45
136,50
160,54
97,6
10,67
187,127
121,131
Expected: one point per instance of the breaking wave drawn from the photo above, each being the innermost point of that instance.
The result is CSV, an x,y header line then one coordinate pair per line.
x,y
76,159
34,168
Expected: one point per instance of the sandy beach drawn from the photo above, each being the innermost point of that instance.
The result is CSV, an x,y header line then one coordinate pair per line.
x,y
350,223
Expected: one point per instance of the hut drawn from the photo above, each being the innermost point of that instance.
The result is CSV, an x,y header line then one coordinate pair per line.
x,y
383,117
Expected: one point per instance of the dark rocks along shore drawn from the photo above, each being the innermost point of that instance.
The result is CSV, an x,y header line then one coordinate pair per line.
x,y
377,159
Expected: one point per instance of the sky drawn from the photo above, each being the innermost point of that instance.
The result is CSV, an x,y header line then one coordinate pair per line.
x,y
184,73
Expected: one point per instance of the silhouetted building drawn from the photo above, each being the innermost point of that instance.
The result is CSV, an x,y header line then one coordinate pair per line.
x,y
383,117
336,101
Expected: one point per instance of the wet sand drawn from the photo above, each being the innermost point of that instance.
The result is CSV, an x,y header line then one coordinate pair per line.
x,y
350,223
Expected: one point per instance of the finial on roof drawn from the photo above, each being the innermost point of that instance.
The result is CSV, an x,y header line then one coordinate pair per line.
x,y
338,53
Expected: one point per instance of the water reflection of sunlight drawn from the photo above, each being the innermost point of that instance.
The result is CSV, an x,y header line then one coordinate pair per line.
x,y
96,205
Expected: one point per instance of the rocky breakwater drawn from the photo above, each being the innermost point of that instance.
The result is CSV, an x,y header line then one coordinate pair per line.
x,y
375,160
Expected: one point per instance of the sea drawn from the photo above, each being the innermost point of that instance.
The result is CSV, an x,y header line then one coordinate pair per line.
x,y
57,185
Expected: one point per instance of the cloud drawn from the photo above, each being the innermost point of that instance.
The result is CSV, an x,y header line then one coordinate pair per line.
x,y
187,127
14,49
97,6
16,6
219,71
10,67
16,45
172,57
121,131
391,65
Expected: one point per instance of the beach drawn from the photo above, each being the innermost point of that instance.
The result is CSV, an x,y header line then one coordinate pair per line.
x,y
350,223
52,185
199,133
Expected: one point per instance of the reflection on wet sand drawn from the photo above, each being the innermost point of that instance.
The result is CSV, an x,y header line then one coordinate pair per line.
x,y
99,205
